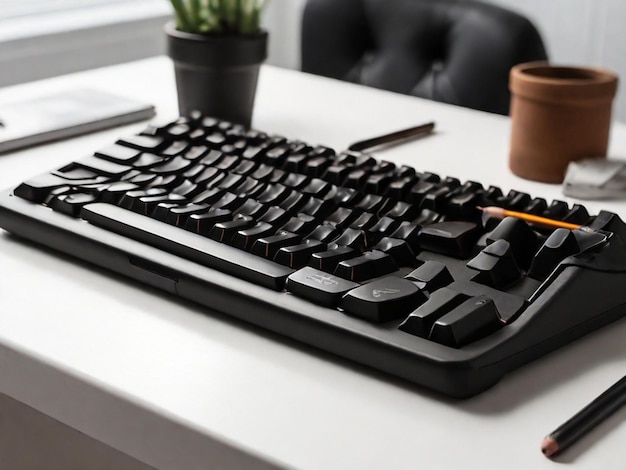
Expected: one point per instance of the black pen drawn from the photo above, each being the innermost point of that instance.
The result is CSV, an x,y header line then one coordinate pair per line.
x,y
585,420
394,136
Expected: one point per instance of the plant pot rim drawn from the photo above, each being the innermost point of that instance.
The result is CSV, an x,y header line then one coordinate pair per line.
x,y
216,50
171,30
562,83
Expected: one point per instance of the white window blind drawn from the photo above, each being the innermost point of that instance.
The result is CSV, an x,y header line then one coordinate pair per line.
x,y
42,38
21,8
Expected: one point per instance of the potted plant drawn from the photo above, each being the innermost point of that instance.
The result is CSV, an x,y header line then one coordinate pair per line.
x,y
217,47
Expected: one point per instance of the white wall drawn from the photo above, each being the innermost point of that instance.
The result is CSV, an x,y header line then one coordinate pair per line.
x,y
576,32
582,32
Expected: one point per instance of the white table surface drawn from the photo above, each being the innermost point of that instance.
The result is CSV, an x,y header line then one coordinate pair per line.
x,y
178,387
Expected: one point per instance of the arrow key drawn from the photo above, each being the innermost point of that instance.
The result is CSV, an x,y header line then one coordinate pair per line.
x,y
384,299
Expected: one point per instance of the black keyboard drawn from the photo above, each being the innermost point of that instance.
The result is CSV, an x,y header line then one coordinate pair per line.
x,y
393,268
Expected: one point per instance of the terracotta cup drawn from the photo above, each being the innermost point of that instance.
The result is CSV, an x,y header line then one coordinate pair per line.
x,y
558,114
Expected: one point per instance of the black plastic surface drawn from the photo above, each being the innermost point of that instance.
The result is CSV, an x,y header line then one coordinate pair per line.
x,y
443,325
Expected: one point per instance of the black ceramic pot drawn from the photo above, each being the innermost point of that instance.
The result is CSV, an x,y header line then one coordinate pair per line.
x,y
217,74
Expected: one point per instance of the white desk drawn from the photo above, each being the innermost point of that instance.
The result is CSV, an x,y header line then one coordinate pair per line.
x,y
178,388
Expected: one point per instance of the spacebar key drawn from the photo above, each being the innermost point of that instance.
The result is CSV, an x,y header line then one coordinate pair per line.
x,y
187,245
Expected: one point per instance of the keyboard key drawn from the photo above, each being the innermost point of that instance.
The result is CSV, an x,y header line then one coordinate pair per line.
x,y
245,238
71,203
399,251
224,232
268,246
203,222
496,265
318,286
559,245
174,166
473,319
451,238
302,224
383,300
102,167
297,256
146,160
355,239
328,260
119,154
324,233
179,215
440,302
143,142
509,305
431,275
367,266
521,238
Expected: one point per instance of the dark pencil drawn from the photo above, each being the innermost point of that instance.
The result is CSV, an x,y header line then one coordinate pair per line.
x,y
394,136
585,420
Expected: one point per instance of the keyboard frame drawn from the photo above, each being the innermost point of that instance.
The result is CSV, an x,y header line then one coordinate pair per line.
x,y
459,373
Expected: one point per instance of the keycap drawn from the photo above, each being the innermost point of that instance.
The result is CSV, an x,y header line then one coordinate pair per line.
x,y
268,246
145,160
302,224
174,166
473,319
71,203
230,182
399,251
102,167
522,239
275,216
143,142
514,200
328,260
188,189
451,238
223,232
113,193
440,302
324,233
178,215
559,245
408,232
297,256
509,305
245,238
367,266
119,154
202,223
318,286
556,210
431,275
577,215
294,202
187,245
383,299
495,265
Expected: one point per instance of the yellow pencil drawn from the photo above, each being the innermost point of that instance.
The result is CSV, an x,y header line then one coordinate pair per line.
x,y
500,213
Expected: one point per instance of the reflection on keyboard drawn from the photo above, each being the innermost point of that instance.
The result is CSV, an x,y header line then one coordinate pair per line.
x,y
387,266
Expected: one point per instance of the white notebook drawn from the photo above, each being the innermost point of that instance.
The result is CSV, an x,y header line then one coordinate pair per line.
x,y
65,114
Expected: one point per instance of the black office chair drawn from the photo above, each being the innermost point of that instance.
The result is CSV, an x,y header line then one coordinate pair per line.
x,y
457,52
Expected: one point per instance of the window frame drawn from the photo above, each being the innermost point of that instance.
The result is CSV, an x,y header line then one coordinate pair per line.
x,y
55,43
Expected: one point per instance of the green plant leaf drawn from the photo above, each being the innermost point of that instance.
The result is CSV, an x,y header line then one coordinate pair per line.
x,y
218,16
182,19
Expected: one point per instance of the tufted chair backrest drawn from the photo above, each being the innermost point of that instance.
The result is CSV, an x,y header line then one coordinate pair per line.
x,y
454,51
